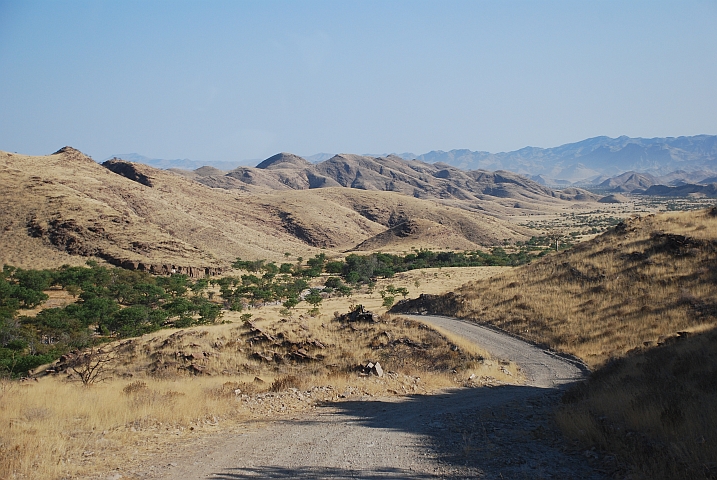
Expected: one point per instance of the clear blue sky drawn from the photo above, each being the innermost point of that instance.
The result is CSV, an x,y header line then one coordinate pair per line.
x,y
232,81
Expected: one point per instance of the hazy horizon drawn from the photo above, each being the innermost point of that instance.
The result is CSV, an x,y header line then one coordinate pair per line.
x,y
240,81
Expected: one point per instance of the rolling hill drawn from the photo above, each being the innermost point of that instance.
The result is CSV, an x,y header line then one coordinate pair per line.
x,y
64,208
440,182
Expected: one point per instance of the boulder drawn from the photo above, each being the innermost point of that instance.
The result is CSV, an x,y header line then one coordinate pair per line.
x,y
358,314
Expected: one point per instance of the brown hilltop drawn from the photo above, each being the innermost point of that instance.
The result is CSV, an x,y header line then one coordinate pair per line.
x,y
63,208
284,160
495,190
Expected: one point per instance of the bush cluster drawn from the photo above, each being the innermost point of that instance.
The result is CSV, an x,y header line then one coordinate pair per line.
x,y
111,303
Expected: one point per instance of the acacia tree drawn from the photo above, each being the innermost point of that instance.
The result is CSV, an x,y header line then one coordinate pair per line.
x,y
91,366
314,298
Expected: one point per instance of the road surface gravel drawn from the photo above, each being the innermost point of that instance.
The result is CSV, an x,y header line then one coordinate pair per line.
x,y
493,433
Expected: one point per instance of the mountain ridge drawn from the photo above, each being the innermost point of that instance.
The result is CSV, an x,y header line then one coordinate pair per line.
x,y
392,173
578,162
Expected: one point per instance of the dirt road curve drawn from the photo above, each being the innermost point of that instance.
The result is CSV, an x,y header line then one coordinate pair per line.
x,y
542,368
493,433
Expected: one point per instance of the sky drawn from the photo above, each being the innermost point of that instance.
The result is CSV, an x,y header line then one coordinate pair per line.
x,y
243,80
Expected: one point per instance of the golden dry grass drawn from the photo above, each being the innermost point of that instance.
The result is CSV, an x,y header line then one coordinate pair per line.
x,y
56,429
623,290
657,410
60,209
152,399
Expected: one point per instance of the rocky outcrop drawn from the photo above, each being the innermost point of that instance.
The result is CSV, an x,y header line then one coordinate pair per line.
x,y
358,314
129,170
165,269
425,304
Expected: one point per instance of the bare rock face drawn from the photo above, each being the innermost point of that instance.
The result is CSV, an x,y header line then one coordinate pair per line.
x,y
427,303
358,314
128,170
166,269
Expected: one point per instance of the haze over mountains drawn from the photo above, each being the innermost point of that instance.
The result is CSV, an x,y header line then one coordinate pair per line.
x,y
590,161
582,161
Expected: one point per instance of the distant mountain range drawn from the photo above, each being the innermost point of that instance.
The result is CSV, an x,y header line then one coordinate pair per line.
x,y
590,161
586,161
183,163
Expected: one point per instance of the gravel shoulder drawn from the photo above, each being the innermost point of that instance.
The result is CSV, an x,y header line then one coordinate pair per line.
x,y
491,433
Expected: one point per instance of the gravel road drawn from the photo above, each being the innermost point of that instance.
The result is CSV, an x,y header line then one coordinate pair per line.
x,y
492,433
542,368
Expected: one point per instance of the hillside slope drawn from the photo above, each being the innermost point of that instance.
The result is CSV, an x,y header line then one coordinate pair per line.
x,y
634,286
63,208
439,182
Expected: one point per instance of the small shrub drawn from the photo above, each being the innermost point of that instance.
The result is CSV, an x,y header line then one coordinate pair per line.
x,y
135,387
285,382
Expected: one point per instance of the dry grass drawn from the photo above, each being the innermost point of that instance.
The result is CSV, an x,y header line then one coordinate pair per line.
x,y
613,301
657,410
55,429
630,288
174,386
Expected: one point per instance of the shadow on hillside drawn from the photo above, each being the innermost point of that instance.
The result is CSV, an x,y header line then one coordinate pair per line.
x,y
504,431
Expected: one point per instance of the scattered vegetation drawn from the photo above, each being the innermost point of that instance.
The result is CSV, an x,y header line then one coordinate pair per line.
x,y
110,303
235,369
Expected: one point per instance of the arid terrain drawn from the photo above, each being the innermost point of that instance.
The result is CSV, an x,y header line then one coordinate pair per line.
x,y
637,304
629,293
62,206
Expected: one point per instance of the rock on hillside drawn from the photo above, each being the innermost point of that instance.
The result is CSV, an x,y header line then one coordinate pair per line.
x,y
62,208
394,174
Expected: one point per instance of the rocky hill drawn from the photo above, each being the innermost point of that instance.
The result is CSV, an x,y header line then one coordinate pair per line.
x,y
629,181
639,182
439,181
686,190
64,208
